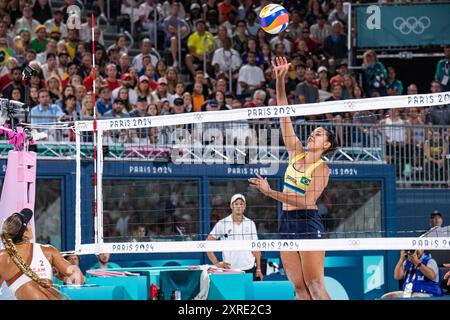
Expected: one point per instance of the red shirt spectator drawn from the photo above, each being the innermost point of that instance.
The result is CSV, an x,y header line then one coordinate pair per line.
x,y
224,8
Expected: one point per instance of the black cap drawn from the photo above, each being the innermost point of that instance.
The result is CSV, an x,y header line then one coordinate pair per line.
x,y
51,55
435,213
25,216
178,101
118,100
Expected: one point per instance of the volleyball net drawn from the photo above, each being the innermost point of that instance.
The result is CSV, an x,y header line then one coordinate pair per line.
x,y
186,167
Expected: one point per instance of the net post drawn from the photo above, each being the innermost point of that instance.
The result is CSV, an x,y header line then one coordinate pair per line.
x,y
78,191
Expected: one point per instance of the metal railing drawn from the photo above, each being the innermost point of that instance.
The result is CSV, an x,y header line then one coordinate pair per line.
x,y
419,153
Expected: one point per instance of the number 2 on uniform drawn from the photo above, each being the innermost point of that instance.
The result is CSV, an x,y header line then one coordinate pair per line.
x,y
41,262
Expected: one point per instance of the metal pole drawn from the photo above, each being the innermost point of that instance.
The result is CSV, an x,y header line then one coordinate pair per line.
x,y
230,73
132,21
155,22
349,34
204,54
179,46
108,11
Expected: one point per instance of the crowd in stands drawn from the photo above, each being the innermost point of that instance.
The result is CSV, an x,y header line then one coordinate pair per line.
x,y
211,55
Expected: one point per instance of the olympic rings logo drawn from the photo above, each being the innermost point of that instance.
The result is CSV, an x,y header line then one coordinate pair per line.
x,y
349,105
198,116
201,245
412,24
354,243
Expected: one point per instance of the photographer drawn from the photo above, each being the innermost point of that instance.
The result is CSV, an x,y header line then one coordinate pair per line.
x,y
420,275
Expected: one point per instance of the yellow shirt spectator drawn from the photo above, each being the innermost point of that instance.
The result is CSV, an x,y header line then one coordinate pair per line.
x,y
198,42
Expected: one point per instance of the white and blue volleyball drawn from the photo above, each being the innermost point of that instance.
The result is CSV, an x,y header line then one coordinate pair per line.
x,y
273,18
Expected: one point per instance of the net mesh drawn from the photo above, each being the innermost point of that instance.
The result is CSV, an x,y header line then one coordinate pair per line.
x,y
186,167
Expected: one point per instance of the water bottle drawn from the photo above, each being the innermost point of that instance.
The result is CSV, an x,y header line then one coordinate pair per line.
x,y
407,293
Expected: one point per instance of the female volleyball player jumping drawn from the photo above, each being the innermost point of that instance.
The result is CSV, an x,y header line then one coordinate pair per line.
x,y
27,267
304,181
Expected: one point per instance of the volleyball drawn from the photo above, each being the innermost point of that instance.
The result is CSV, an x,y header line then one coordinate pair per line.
x,y
273,18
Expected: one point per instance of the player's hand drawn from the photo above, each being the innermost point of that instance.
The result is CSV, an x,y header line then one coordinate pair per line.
x,y
261,184
281,67
259,274
223,265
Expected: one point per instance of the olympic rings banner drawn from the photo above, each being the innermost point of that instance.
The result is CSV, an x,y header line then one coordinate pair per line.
x,y
402,25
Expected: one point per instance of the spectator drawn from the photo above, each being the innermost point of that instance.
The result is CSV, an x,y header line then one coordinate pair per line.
x,y
252,46
443,70
69,106
161,91
124,64
111,77
211,15
335,44
342,70
224,8
198,99
118,110
16,94
4,34
435,150
103,262
314,11
51,47
438,115
179,90
194,15
420,274
51,67
188,102
16,77
416,136
73,259
160,69
306,91
393,85
27,21
436,219
170,27
336,95
310,43
348,87
338,13
57,22
396,138
375,74
45,112
199,43
127,84
240,38
281,38
140,234
320,30
226,59
148,11
87,107
42,11
39,42
104,103
53,85
237,227
250,77
294,29
252,24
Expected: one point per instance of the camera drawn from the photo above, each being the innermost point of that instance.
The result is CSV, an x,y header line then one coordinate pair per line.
x,y
28,72
410,252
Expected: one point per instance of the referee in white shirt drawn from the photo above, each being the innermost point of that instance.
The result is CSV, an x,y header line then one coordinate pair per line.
x,y
237,227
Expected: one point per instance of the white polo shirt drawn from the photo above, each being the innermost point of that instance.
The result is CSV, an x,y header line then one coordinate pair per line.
x,y
226,229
